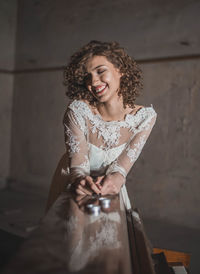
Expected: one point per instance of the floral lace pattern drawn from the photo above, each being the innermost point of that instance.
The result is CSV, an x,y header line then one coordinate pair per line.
x,y
85,165
134,152
97,148
107,152
110,131
71,141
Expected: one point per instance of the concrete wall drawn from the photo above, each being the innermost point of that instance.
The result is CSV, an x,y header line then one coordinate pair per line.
x,y
37,141
165,181
50,31
164,37
8,16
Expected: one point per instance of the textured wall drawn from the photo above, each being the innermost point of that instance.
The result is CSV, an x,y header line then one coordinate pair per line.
x,y
8,17
37,141
6,93
8,14
49,31
164,36
165,182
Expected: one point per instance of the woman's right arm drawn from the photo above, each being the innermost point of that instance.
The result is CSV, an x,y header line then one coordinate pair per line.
x,y
77,149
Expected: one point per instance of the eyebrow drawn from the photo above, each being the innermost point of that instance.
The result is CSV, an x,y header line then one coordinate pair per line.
x,y
97,67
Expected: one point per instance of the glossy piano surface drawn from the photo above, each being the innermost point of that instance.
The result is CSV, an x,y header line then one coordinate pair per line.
x,y
72,238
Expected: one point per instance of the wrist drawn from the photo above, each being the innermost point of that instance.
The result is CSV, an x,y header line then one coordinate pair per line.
x,y
122,179
114,167
117,178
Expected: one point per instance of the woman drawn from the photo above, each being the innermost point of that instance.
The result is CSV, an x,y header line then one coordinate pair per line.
x,y
104,130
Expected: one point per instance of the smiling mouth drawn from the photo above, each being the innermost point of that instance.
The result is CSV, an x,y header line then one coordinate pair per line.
x,y
100,91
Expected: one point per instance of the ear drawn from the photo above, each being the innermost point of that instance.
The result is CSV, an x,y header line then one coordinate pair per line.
x,y
121,74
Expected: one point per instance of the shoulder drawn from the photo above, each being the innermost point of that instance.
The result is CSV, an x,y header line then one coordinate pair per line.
x,y
74,108
77,104
143,111
142,116
79,107
146,118
76,114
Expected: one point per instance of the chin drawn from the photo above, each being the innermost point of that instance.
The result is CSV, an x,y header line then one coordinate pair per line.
x,y
102,99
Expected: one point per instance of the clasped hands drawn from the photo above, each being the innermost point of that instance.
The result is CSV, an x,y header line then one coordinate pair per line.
x,y
102,185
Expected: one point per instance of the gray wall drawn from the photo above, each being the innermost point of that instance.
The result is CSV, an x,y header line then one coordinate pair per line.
x,y
8,16
164,38
166,179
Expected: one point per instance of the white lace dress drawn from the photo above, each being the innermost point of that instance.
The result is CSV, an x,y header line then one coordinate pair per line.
x,y
96,147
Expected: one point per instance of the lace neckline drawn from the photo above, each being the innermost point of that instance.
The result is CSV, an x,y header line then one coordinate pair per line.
x,y
109,130
113,121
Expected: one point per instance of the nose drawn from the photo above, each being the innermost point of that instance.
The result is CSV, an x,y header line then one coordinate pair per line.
x,y
94,80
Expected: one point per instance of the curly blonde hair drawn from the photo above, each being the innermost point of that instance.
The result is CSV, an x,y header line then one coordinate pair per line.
x,y
75,74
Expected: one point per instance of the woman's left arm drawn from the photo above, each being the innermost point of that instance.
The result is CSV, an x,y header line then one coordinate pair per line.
x,y
118,170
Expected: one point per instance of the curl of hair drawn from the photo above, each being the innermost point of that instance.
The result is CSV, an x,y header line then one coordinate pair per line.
x,y
75,74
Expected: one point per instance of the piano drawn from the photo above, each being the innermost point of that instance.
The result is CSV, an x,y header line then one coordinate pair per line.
x,y
93,234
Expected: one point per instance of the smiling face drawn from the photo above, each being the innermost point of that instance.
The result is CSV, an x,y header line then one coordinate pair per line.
x,y
103,79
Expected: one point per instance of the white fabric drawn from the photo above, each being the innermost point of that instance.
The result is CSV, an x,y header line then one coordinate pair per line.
x,y
98,147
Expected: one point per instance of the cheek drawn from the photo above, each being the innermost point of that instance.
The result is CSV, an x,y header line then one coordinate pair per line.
x,y
107,78
116,81
115,78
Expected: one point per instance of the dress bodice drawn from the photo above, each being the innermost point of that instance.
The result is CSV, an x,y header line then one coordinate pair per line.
x,y
100,159
97,147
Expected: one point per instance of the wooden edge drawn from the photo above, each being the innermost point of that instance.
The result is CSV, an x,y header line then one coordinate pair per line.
x,y
174,256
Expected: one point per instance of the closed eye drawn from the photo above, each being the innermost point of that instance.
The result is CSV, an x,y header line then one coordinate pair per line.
x,y
101,71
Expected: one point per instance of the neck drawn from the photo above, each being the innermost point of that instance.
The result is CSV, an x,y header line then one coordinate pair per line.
x,y
112,110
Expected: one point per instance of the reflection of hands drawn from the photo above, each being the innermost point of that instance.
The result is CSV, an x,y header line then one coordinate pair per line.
x,y
86,186
112,183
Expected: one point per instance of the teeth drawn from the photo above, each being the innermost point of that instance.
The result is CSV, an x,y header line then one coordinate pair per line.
x,y
100,89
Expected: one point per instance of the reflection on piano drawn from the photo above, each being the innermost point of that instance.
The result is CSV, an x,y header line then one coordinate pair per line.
x,y
90,235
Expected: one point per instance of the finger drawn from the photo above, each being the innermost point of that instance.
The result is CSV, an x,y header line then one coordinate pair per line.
x,y
95,188
99,181
105,189
98,185
79,192
83,201
83,182
105,182
85,190
100,178
95,180
79,198
92,185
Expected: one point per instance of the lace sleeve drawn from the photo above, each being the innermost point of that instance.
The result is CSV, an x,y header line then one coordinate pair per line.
x,y
134,147
76,144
